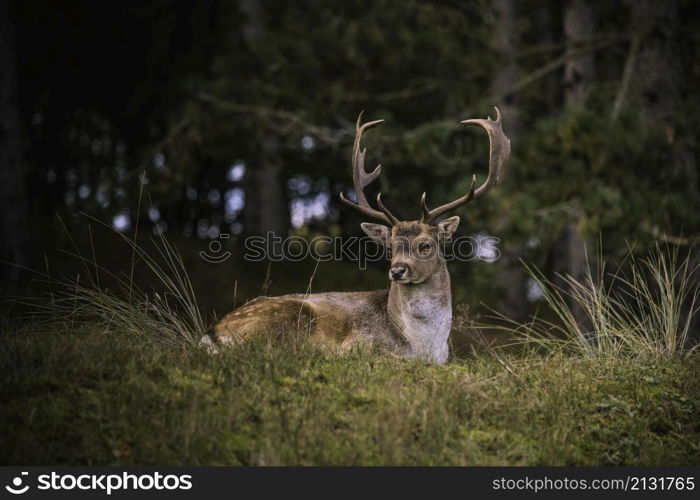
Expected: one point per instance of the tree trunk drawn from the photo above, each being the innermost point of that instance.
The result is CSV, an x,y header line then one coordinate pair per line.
x,y
657,86
548,25
266,207
579,72
14,233
504,43
579,75
658,78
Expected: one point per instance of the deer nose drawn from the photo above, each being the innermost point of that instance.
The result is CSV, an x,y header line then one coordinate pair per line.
x,y
398,271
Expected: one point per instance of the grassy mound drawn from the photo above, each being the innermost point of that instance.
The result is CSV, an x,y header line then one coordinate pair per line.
x,y
96,397
102,374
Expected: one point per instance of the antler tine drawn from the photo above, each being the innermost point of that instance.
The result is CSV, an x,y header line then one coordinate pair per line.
x,y
424,207
430,215
361,178
499,151
389,215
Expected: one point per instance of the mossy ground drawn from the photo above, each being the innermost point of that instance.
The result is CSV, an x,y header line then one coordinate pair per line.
x,y
90,397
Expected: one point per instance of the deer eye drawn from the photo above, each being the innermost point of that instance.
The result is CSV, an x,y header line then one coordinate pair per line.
x,y
424,248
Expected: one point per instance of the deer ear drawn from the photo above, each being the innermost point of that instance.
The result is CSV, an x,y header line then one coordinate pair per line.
x,y
377,232
447,227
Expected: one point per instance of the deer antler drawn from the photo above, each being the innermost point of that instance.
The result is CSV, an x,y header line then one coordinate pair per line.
x,y
361,178
499,151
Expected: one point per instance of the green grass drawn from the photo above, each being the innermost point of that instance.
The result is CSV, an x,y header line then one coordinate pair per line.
x,y
98,375
90,397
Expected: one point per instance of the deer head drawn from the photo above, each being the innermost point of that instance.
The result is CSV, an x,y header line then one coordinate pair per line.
x,y
415,245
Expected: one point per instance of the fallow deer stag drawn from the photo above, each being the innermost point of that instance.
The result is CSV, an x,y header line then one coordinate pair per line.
x,y
413,317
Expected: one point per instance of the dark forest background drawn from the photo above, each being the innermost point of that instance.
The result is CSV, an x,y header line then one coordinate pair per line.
x,y
237,117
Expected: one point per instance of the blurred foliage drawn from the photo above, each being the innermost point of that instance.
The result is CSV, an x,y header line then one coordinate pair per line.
x,y
612,172
309,70
175,94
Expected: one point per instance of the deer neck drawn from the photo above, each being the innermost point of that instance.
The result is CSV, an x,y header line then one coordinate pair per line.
x,y
422,315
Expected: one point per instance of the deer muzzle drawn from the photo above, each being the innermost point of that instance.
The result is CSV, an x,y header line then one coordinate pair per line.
x,y
398,272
